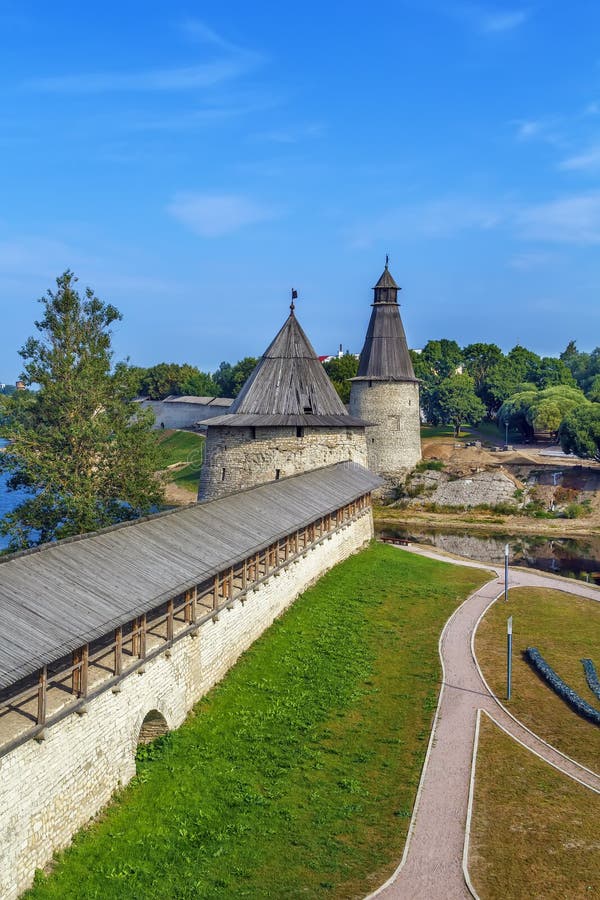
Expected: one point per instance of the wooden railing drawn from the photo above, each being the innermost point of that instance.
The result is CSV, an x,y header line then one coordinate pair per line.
x,y
101,665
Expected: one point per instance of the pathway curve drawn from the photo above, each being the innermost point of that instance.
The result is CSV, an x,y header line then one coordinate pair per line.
x,y
431,868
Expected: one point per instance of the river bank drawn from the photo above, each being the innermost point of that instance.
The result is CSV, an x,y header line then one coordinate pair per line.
x,y
483,522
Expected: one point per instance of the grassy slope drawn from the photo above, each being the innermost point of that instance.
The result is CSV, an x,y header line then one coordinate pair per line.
x,y
182,447
534,831
297,774
564,628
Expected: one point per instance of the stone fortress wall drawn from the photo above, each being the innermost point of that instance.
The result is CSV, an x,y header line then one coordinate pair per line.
x,y
238,458
50,789
394,438
185,412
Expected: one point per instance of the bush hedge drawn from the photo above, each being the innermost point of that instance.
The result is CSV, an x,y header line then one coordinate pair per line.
x,y
535,658
591,677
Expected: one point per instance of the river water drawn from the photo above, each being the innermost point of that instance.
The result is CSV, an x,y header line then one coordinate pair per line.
x,y
575,558
8,500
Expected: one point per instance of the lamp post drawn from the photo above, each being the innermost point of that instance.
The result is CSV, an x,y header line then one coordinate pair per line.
x,y
506,552
508,656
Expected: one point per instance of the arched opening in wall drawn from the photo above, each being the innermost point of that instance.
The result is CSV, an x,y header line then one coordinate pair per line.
x,y
153,726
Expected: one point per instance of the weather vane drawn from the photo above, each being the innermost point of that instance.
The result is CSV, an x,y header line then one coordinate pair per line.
x,y
387,259
294,297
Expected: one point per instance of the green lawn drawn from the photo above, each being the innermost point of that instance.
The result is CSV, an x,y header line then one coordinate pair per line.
x,y
176,447
534,831
295,776
564,628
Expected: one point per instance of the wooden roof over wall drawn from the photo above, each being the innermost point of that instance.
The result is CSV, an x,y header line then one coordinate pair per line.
x,y
58,597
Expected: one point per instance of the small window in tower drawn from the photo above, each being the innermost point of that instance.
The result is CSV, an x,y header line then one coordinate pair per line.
x,y
222,474
253,433
372,440
370,383
299,431
277,474
307,409
409,402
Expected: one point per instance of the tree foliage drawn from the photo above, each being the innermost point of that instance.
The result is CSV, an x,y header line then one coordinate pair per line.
x,y
455,403
585,367
535,411
79,447
172,379
579,432
230,379
340,370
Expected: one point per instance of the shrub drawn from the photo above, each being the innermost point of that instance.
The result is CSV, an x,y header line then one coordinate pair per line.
x,y
433,465
535,658
591,677
575,511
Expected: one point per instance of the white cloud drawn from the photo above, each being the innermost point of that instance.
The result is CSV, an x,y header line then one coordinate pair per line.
x,y
569,220
214,215
528,129
33,255
526,262
589,161
498,22
178,79
439,218
199,31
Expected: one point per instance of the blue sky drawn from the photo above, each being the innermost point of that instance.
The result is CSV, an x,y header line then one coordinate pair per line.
x,y
194,161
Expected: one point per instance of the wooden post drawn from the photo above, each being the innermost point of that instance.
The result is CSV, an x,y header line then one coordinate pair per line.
x,y
76,673
135,638
216,592
118,651
244,574
142,621
42,692
230,584
83,679
170,606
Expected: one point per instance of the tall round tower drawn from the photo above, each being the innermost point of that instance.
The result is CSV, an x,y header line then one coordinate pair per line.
x,y
385,391
286,420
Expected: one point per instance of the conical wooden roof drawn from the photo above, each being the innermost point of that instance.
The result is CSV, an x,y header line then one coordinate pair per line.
x,y
385,356
289,386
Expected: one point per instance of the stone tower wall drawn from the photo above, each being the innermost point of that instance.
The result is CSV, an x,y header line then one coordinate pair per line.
x,y
234,459
394,437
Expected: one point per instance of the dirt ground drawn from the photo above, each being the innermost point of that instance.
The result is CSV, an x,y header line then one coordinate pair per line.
x,y
522,465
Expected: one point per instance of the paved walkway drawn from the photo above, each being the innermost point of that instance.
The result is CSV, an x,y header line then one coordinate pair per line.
x,y
431,867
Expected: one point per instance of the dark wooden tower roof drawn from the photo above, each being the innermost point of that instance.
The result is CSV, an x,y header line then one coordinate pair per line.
x,y
385,356
289,386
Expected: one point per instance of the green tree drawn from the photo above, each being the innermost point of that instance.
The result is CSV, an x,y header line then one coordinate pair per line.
x,y
231,379
79,447
200,384
456,403
340,370
552,371
172,379
579,432
534,411
479,360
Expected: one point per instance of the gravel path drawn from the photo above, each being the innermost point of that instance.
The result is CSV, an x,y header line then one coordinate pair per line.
x,y
431,868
